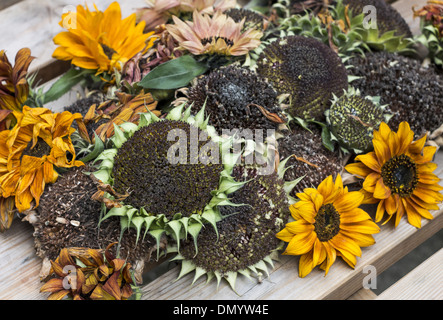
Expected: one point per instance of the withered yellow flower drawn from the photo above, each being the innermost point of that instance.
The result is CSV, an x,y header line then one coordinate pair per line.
x,y
217,34
14,87
30,151
328,223
398,175
126,108
98,277
101,41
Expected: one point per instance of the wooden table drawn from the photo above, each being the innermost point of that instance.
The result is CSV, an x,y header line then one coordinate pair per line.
x,y
36,25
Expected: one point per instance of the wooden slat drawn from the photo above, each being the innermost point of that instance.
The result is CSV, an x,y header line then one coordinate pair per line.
x,y
34,23
425,282
7,3
341,282
21,267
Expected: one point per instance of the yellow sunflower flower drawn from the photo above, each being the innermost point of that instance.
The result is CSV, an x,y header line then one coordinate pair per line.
x,y
217,34
101,41
398,175
14,87
40,141
328,222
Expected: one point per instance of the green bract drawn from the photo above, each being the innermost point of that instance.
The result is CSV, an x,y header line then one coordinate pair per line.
x,y
163,194
347,32
430,37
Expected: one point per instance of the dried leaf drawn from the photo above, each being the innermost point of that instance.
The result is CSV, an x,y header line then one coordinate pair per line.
x,y
100,294
53,285
305,161
271,116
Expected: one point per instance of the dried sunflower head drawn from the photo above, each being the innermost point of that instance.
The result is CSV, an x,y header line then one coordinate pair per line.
x,y
346,31
253,19
166,174
69,217
236,98
301,6
307,157
246,241
412,91
306,69
352,119
388,18
88,274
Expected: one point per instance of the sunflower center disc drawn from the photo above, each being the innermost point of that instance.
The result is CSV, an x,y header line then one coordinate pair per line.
x,y
228,42
400,175
40,149
327,222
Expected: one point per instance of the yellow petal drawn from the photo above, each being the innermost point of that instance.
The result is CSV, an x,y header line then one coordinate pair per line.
x,y
348,201
301,243
359,169
370,160
381,191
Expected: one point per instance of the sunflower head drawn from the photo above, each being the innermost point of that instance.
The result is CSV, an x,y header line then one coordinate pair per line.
x,y
89,274
388,18
327,223
217,36
30,152
68,216
398,175
307,157
98,40
236,98
405,85
352,119
301,6
166,174
14,87
306,69
253,19
246,241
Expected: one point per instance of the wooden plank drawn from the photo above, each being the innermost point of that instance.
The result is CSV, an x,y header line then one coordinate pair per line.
x,y
425,282
340,283
404,7
7,3
363,294
42,18
20,264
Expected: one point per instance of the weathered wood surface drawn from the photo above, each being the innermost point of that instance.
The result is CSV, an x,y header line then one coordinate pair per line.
x,y
36,25
425,282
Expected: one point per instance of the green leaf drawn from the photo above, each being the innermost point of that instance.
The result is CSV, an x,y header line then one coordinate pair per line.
x,y
99,146
65,84
173,74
